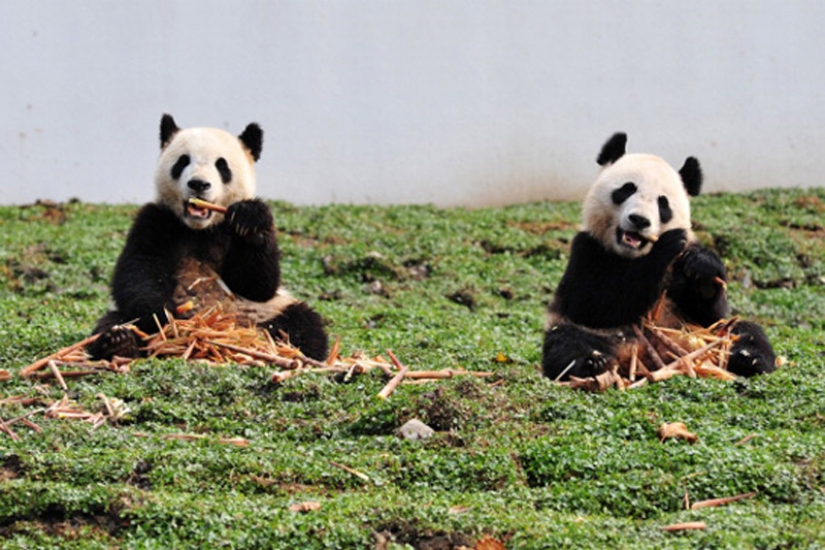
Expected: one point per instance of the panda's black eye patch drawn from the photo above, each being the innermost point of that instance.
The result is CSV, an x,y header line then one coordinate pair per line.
x,y
223,170
665,213
182,163
623,193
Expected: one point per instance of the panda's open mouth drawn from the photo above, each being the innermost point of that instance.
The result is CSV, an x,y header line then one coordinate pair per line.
x,y
631,239
196,212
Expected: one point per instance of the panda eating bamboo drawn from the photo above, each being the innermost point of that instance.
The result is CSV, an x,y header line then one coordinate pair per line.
x,y
181,257
636,243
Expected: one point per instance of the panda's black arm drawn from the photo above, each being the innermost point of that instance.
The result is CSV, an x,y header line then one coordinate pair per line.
x,y
601,289
143,281
251,267
697,286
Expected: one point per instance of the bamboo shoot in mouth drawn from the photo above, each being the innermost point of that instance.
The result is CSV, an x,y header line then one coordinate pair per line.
x,y
207,205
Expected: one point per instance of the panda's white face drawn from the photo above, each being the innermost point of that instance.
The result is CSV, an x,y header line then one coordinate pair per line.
x,y
205,163
633,201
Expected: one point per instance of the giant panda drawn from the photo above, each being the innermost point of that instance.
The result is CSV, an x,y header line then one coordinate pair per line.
x,y
636,243
179,254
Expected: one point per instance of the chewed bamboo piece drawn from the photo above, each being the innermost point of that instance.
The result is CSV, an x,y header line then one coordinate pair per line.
x,y
714,502
207,205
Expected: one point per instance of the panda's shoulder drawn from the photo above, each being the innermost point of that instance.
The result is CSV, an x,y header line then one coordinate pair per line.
x,y
585,244
155,214
155,221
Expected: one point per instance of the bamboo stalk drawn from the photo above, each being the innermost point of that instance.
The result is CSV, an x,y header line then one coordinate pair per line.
x,y
687,526
207,205
58,376
333,354
393,383
29,424
672,368
713,502
634,357
24,416
40,363
744,440
660,306
356,473
5,428
274,359
651,351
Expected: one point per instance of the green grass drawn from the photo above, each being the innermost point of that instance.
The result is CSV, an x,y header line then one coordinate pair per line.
x,y
515,457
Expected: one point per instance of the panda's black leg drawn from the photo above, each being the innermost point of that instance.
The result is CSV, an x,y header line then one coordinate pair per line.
x,y
570,351
304,328
752,353
114,339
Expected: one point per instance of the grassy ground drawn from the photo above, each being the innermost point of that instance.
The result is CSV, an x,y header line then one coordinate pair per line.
x,y
515,457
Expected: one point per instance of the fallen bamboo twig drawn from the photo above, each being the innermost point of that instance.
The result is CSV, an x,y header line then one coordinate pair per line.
x,y
713,502
360,475
687,526
676,429
53,368
5,428
744,440
395,380
40,363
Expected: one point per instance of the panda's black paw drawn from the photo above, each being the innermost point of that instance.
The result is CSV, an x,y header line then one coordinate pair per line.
x,y
747,362
118,340
249,218
752,353
703,270
570,351
670,244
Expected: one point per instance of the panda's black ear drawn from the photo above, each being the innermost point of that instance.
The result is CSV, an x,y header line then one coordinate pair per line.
x,y
168,129
253,138
691,174
613,149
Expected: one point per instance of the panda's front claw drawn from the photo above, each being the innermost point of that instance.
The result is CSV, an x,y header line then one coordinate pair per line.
x,y
597,362
118,340
745,362
249,217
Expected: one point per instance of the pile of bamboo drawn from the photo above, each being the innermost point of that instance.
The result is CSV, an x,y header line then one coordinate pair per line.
x,y
219,338
658,353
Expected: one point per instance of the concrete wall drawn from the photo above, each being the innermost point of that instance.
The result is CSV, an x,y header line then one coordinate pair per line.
x,y
462,102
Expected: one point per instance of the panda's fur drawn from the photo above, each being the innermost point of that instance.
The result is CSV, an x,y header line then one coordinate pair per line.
x,y
636,243
177,254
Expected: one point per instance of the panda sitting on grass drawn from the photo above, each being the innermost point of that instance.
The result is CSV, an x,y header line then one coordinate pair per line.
x,y
182,258
636,243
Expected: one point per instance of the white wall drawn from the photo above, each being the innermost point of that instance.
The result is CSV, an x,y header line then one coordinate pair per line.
x,y
463,102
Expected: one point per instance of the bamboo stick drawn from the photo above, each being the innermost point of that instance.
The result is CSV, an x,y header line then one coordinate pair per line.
x,y
687,526
58,376
393,383
651,351
5,428
40,363
713,502
207,205
356,473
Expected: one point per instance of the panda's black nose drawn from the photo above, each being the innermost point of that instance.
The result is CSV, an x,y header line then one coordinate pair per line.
x,y
640,222
199,185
